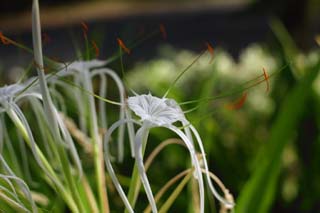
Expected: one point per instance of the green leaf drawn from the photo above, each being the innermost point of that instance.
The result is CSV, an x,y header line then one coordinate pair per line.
x,y
259,192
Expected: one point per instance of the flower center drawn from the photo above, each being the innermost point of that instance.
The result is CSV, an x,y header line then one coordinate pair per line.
x,y
158,111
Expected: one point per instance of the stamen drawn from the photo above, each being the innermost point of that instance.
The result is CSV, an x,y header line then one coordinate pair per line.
x,y
163,31
238,103
210,50
85,29
123,46
266,77
4,39
96,48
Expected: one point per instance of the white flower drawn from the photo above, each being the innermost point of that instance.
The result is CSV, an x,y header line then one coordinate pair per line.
x,y
83,73
157,111
7,93
160,112
79,66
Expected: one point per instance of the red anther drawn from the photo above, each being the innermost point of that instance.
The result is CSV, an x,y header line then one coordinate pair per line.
x,y
123,46
163,31
96,48
238,103
266,78
4,39
210,50
85,28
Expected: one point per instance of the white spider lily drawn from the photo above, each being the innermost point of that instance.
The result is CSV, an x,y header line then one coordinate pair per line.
x,y
83,73
160,112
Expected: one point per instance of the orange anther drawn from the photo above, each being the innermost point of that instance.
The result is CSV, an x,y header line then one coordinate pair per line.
x,y
85,28
238,103
123,46
96,48
210,50
4,39
266,77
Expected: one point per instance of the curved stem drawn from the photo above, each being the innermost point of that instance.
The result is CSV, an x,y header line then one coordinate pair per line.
x,y
97,144
164,208
41,159
159,148
48,104
167,186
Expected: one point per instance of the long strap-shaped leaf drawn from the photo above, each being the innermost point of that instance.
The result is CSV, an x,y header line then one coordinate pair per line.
x,y
258,193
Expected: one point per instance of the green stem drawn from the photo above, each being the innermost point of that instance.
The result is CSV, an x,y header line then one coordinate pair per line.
x,y
13,204
48,104
165,207
59,187
97,145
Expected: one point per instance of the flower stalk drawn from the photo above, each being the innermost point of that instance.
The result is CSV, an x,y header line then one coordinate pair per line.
x,y
48,105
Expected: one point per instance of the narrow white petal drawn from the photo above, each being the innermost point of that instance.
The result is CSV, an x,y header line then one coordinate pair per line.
x,y
213,190
109,165
195,162
121,90
139,162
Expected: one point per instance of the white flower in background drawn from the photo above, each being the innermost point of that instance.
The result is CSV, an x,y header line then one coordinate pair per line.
x,y
162,70
158,72
251,61
310,60
79,66
83,73
160,112
224,64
